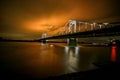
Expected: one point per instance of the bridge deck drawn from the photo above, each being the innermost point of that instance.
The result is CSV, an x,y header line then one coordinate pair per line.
x,y
111,31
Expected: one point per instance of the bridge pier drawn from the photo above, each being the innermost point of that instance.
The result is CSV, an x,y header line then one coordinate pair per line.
x,y
72,41
43,41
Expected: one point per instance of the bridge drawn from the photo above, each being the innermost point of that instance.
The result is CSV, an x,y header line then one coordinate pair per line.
x,y
74,29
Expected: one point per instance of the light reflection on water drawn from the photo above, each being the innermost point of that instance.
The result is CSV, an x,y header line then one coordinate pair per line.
x,y
113,53
41,60
76,60
72,53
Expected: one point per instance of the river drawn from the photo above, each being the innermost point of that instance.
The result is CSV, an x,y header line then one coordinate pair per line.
x,y
43,60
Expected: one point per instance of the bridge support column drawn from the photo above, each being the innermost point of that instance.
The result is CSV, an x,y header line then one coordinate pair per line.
x,y
43,41
72,42
44,35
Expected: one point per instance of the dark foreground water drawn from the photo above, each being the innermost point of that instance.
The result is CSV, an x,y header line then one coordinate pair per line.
x,y
43,60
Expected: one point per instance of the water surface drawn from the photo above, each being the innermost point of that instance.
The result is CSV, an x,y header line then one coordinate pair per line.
x,y
43,60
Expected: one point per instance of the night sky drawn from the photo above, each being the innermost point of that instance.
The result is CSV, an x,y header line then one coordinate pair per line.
x,y
28,19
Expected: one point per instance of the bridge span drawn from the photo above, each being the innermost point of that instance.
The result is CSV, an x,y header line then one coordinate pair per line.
x,y
105,29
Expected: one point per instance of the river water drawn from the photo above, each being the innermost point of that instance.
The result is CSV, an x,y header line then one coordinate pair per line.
x,y
53,59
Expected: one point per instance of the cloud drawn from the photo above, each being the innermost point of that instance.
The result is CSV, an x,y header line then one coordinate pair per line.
x,y
37,16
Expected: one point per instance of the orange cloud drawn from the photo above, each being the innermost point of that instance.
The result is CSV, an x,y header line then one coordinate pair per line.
x,y
39,16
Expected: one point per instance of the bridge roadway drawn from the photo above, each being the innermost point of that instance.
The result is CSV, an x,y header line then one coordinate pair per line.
x,y
111,31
